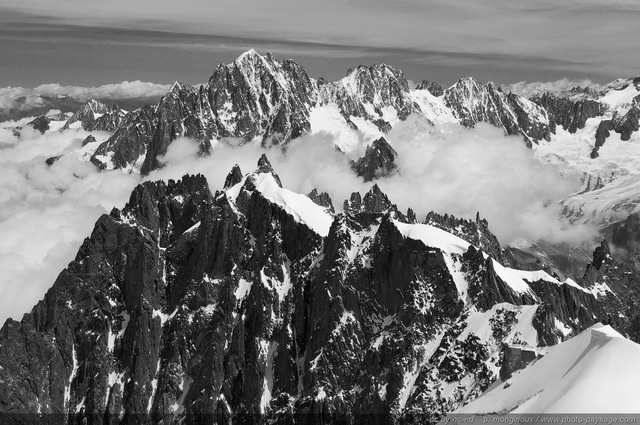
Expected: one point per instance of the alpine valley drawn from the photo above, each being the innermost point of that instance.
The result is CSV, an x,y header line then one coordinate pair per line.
x,y
251,303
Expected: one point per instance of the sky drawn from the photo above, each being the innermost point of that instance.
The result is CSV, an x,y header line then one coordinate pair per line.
x,y
79,43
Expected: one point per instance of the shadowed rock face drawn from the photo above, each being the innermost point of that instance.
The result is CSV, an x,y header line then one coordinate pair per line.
x,y
233,178
260,97
602,132
187,303
570,114
321,198
378,161
514,360
473,102
627,233
625,125
127,147
97,116
40,124
433,87
614,280
88,139
179,113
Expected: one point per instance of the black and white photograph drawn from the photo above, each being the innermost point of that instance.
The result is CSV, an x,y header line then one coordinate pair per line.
x,y
354,212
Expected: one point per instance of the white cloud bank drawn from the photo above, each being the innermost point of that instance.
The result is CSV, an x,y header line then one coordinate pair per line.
x,y
46,212
530,89
34,97
449,169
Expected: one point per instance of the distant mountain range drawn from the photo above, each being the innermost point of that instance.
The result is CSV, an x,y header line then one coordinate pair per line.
x,y
258,98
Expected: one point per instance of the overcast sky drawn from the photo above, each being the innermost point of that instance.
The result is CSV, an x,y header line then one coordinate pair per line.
x,y
91,43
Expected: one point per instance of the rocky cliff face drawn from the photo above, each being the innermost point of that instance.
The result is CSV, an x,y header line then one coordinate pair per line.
x,y
127,148
571,114
378,93
96,115
257,96
260,98
378,161
433,87
256,303
473,102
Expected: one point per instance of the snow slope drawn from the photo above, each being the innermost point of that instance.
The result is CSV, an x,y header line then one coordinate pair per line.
x,y
299,206
611,182
454,246
598,371
620,100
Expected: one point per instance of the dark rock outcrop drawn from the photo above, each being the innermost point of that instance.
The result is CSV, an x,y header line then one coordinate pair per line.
x,y
602,132
486,287
627,124
233,178
613,279
40,124
473,102
569,113
127,148
624,124
181,112
52,160
476,232
43,123
321,198
88,139
515,358
367,89
626,234
95,115
378,161
431,86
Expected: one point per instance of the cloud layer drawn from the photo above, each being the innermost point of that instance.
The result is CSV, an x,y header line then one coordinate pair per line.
x,y
46,211
529,89
449,169
25,99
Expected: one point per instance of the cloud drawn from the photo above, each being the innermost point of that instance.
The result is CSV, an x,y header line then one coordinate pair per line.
x,y
47,211
528,90
451,170
124,90
179,151
459,171
26,99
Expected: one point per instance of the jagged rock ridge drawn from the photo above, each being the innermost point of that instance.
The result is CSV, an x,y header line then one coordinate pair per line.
x,y
260,98
256,302
473,102
378,161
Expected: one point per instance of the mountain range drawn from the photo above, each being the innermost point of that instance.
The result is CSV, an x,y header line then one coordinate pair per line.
x,y
255,303
260,99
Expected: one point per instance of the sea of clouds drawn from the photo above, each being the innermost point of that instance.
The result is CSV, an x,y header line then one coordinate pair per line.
x,y
530,89
47,211
25,99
